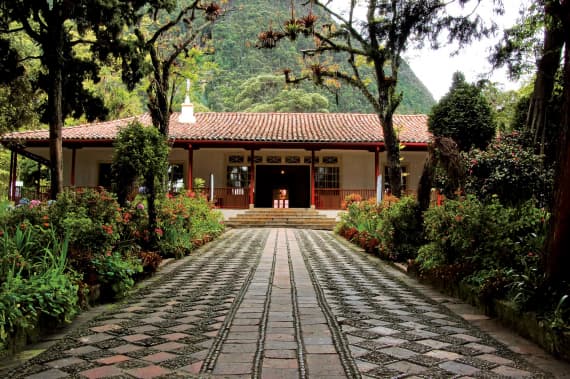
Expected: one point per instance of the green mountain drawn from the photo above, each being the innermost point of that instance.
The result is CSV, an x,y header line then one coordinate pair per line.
x,y
244,80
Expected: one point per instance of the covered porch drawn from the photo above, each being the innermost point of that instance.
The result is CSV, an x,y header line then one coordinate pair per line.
x,y
244,160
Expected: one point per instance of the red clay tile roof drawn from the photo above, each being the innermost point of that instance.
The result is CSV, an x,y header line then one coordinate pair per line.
x,y
254,127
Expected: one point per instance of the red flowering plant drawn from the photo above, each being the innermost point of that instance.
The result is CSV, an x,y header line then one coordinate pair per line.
x,y
88,219
185,221
133,228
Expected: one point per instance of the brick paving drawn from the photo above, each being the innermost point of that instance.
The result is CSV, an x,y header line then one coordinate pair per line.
x,y
278,303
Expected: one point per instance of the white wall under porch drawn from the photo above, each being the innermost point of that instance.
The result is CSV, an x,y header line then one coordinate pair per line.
x,y
356,167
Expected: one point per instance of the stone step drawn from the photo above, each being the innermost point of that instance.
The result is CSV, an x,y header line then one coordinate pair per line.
x,y
282,217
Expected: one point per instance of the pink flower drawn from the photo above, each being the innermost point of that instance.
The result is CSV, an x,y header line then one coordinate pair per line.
x,y
35,203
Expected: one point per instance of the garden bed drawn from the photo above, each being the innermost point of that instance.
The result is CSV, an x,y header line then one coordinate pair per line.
x,y
527,324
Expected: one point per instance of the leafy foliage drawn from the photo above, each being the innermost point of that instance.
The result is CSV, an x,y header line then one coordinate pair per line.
x,y
88,219
140,158
400,231
117,271
52,254
509,171
268,93
393,229
463,115
186,221
36,283
485,239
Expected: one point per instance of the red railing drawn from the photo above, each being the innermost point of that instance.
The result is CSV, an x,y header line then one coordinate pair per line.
x,y
238,198
332,198
230,197
31,193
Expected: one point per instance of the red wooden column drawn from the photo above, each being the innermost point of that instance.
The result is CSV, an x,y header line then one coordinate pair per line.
x,y
376,166
313,205
251,178
73,158
189,175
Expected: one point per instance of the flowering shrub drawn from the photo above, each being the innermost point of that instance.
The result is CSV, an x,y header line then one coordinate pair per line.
x,y
351,199
391,228
88,219
185,221
133,228
488,243
51,252
509,170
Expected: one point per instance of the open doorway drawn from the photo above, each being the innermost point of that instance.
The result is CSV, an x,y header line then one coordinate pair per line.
x,y
295,180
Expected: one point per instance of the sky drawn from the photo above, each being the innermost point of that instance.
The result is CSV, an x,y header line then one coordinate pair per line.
x,y
436,67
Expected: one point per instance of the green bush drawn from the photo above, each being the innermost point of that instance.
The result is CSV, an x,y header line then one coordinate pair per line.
x,y
88,218
509,170
400,230
491,243
184,221
49,291
117,272
392,228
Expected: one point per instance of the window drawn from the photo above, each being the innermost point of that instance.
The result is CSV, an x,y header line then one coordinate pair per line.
x,y
235,159
237,176
273,159
291,159
105,178
330,160
175,177
327,177
386,178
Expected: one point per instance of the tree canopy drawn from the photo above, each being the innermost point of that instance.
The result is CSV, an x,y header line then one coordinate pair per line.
x,y
57,28
269,93
464,115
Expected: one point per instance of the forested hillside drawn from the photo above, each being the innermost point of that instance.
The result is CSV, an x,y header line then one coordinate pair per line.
x,y
243,80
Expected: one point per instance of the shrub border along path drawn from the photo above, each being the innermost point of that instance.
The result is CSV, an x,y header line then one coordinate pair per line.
x,y
298,303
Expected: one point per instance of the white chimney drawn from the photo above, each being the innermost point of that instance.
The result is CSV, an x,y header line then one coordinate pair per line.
x,y
187,112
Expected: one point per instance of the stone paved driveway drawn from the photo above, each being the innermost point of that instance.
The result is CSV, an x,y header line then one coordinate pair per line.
x,y
277,303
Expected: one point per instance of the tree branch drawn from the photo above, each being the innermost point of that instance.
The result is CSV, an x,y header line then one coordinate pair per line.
x,y
347,24
185,44
357,84
166,27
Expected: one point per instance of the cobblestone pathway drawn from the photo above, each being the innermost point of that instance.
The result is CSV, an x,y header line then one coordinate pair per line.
x,y
277,303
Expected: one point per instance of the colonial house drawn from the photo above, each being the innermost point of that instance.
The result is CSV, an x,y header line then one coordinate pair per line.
x,y
262,160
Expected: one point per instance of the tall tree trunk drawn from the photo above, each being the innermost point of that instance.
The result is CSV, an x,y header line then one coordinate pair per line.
x,y
558,241
393,154
544,83
54,50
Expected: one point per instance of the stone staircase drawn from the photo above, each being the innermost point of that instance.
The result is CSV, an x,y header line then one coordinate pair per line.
x,y
281,218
